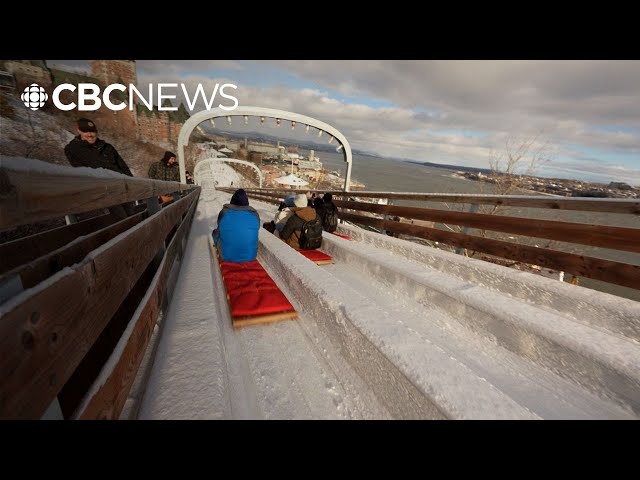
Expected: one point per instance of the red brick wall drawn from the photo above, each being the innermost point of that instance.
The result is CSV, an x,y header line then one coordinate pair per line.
x,y
110,71
148,127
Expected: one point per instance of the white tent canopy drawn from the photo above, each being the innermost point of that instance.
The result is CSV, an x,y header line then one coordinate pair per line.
x,y
291,179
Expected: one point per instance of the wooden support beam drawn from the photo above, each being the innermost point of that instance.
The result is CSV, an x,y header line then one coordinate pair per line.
x,y
43,267
23,250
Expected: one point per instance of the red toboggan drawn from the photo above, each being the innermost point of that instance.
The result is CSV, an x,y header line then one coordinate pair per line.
x,y
346,237
320,258
252,295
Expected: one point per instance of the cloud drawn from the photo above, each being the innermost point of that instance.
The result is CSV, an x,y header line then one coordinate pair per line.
x,y
580,107
166,68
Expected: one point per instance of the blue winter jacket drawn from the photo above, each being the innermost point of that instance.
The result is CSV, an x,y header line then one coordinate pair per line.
x,y
237,233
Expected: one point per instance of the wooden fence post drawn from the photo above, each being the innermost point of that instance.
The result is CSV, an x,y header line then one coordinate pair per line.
x,y
472,209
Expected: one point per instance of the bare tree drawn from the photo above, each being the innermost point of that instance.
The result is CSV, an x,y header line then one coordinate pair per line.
x,y
524,154
520,158
319,181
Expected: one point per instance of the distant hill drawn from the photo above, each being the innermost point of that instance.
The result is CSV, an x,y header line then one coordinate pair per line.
x,y
449,167
273,139
254,136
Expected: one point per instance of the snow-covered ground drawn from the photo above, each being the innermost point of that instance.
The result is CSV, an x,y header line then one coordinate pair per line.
x,y
391,330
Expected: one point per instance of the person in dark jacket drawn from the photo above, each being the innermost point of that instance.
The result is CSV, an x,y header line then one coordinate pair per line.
x,y
329,208
301,214
87,150
318,205
321,209
166,169
237,232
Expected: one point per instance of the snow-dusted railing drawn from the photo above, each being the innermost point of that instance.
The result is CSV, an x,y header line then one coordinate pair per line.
x,y
66,301
32,191
420,222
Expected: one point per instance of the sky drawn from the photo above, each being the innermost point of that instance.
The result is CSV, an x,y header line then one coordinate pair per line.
x,y
582,116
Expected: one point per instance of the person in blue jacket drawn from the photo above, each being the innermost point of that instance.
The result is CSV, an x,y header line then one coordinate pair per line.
x,y
237,232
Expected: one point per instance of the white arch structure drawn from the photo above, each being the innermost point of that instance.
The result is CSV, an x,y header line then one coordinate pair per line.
x,y
195,120
207,162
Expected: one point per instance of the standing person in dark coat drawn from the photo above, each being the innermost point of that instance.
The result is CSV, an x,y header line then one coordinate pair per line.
x,y
166,169
87,150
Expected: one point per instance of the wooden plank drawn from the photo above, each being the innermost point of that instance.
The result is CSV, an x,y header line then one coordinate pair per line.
x,y
580,265
323,262
23,250
46,331
38,270
611,205
258,320
34,196
615,238
107,397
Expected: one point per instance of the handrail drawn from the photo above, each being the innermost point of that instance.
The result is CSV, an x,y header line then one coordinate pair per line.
x,y
407,221
610,205
32,191
57,301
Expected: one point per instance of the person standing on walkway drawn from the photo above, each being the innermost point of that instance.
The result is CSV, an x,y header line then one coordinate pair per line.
x,y
87,150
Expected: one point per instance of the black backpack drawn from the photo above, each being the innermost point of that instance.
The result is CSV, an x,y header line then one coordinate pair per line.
x,y
330,219
311,234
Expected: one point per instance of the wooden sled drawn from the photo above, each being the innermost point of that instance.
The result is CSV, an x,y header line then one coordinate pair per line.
x,y
320,258
252,295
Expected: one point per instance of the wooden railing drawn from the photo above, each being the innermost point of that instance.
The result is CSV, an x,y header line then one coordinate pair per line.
x,y
381,216
78,303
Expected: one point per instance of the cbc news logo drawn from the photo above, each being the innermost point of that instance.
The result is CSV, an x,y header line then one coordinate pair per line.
x,y
34,96
89,96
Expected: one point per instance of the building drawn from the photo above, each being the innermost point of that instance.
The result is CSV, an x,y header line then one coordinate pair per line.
x,y
160,126
151,125
115,71
29,71
255,157
154,125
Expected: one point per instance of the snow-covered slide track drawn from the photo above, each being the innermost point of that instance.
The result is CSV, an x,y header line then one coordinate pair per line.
x,y
385,334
